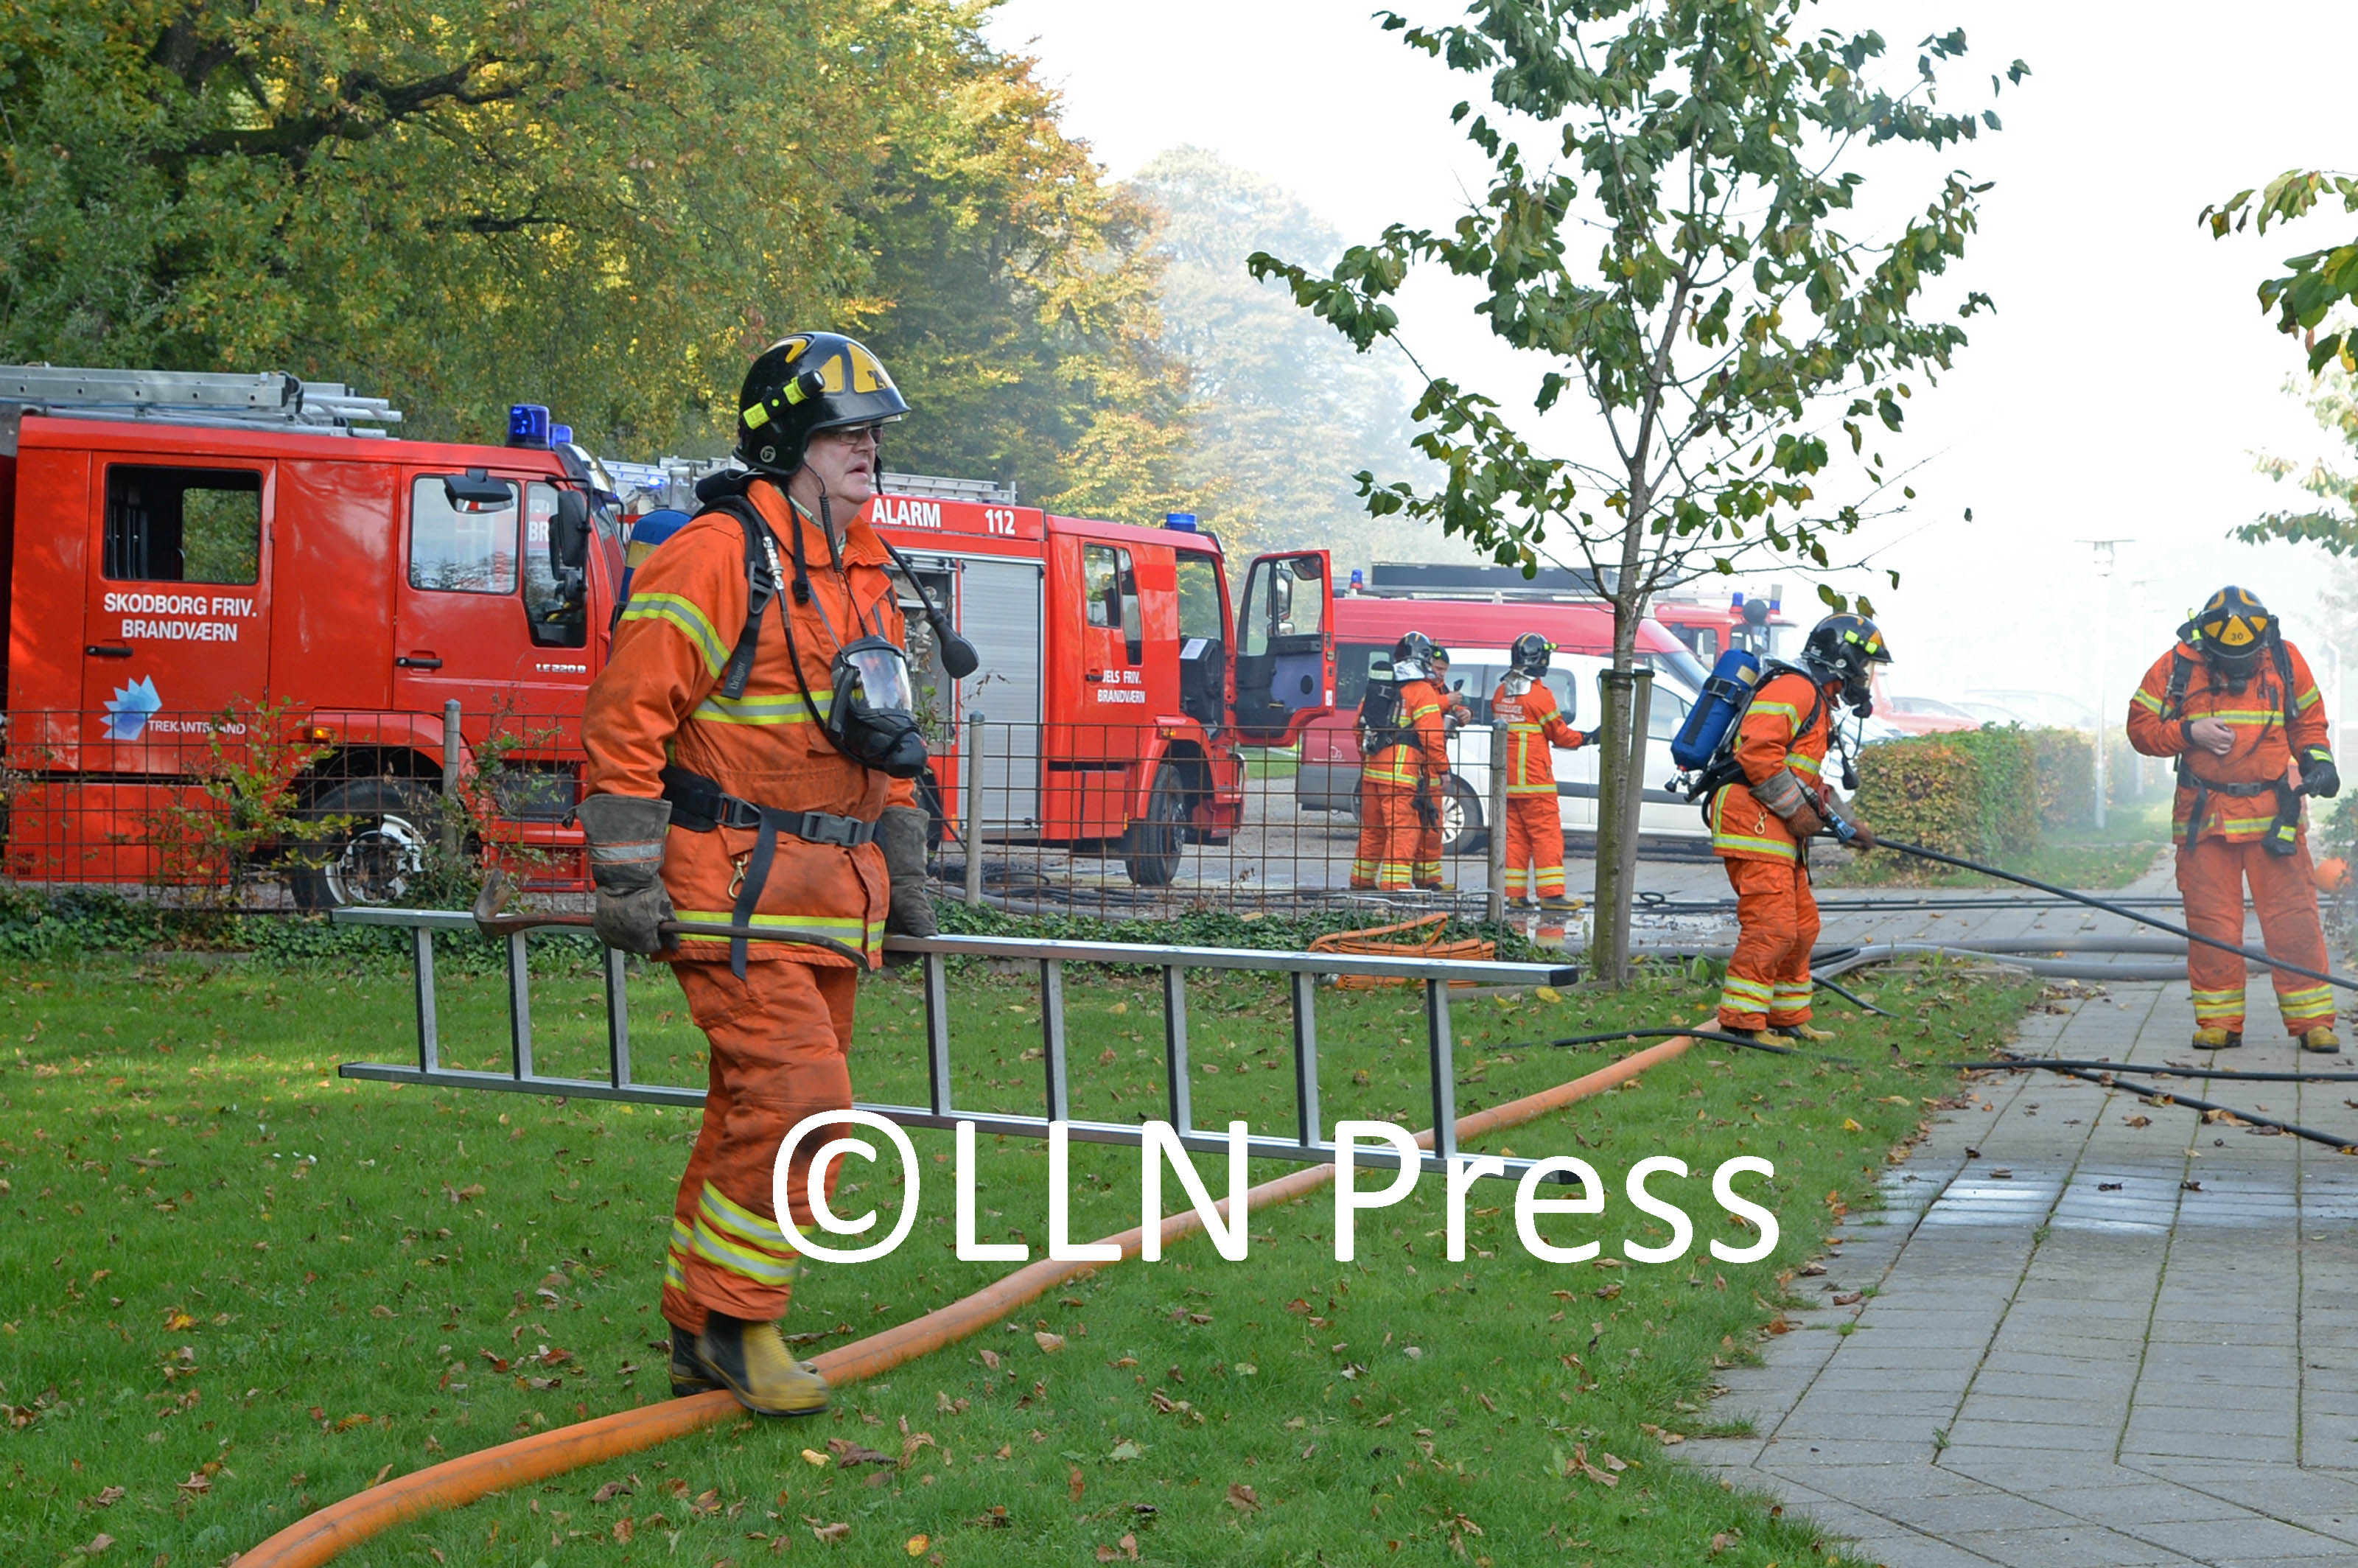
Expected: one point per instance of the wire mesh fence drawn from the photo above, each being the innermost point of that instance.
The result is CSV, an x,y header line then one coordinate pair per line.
x,y
277,805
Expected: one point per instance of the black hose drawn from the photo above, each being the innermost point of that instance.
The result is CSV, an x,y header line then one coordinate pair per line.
x,y
2291,968
2163,1096
1850,996
1749,1044
2016,1064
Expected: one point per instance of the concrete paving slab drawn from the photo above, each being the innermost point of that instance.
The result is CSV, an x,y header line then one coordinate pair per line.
x,y
2143,1375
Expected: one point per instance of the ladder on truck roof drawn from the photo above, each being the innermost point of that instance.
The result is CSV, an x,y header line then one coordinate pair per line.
x,y
671,482
188,397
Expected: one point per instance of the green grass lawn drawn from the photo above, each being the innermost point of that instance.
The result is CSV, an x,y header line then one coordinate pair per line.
x,y
237,1287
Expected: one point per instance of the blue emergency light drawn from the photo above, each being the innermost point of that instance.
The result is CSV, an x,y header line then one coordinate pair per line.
x,y
527,425
1735,599
1179,522
561,435
1358,579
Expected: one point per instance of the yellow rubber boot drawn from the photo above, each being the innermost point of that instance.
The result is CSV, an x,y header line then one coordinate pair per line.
x,y
2219,1039
1801,1032
2321,1040
751,1360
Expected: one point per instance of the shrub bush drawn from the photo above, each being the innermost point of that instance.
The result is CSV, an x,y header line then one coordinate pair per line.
x,y
1970,793
2066,764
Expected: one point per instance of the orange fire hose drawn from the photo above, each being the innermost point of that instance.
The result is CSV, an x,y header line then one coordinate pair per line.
x,y
455,1483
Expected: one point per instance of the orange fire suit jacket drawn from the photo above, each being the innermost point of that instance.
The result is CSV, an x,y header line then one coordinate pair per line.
x,y
1534,726
1767,743
2265,749
1425,759
658,701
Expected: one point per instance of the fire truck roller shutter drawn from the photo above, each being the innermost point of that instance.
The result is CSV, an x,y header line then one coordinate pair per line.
x,y
1002,613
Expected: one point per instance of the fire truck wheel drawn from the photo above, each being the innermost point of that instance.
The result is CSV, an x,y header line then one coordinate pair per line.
x,y
1461,820
1151,850
381,847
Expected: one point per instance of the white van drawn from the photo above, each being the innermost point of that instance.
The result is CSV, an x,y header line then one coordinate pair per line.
x,y
1576,680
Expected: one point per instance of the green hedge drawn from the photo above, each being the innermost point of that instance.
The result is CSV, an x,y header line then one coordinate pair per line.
x,y
1973,793
2067,776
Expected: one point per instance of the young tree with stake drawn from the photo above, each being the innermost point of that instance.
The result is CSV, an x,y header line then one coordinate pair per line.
x,y
1675,263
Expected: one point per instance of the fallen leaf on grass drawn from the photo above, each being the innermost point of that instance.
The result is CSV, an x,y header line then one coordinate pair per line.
x,y
1126,1549
917,1545
831,1533
106,1498
1659,1435
813,1456
1242,1497
848,1453
1076,1484
1579,1466
1123,1452
611,1490
98,1543
990,1359
624,1530
1850,1126
1048,1342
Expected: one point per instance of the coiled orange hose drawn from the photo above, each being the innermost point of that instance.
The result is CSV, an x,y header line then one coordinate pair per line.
x,y
318,1536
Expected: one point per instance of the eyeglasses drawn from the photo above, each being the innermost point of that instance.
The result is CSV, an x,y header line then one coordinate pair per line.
x,y
854,435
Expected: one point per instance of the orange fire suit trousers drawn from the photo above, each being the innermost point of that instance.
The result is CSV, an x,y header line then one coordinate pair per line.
x,y
780,1039
2210,876
1768,975
1388,836
1427,873
1534,841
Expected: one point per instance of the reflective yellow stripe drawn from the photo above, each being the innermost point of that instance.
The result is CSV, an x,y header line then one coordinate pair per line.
x,y
2242,715
1787,708
784,708
2304,702
848,929
684,615
759,1267
2147,701
1801,764
2307,997
735,1219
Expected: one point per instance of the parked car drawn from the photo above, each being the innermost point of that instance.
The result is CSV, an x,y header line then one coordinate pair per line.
x,y
2042,709
1926,716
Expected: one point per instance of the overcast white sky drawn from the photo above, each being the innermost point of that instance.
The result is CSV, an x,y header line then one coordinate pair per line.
x,y
2120,390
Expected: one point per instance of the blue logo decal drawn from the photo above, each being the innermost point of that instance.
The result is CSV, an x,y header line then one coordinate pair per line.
x,y
129,714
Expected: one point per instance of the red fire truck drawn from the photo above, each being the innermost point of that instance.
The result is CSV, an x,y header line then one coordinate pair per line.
x,y
189,556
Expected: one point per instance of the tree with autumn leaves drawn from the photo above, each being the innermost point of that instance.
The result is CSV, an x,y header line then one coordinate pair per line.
x,y
605,207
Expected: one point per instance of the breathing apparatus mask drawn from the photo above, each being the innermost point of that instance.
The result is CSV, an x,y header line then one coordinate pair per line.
x,y
871,717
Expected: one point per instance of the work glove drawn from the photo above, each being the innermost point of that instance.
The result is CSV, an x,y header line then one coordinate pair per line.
x,y
1426,812
1861,836
1588,737
901,834
2318,774
1793,802
626,847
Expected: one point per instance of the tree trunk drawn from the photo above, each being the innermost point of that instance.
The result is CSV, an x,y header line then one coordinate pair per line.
x,y
1619,760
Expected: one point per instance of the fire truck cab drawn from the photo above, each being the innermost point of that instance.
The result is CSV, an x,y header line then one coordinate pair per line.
x,y
194,561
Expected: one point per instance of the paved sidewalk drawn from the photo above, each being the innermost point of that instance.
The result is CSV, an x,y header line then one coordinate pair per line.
x,y
2101,1334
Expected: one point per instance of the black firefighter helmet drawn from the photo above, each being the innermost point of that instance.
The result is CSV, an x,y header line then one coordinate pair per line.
x,y
1844,648
805,383
2233,629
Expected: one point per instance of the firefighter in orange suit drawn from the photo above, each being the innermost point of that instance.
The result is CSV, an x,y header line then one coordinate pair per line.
x,y
1455,712
1407,752
2235,704
1536,729
1763,817
747,764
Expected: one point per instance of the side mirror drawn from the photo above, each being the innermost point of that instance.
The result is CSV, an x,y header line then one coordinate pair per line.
x,y
569,533
476,490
